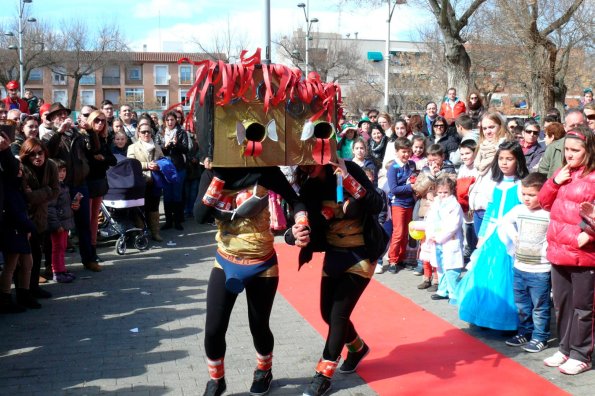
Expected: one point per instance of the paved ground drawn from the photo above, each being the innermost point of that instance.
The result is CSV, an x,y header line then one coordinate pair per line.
x,y
136,329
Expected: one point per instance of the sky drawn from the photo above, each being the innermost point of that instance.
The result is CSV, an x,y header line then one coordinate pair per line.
x,y
171,25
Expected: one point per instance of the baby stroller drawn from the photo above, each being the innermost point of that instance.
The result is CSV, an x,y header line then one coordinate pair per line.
x,y
123,206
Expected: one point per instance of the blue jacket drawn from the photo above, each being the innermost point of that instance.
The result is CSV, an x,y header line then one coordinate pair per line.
x,y
401,193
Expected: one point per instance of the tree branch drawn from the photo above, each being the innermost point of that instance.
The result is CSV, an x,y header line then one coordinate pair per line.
x,y
563,19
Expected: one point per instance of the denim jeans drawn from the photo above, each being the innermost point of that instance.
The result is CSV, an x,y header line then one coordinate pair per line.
x,y
448,279
470,238
532,298
478,219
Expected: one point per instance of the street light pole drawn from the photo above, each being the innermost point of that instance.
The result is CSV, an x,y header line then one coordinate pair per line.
x,y
391,9
20,48
306,8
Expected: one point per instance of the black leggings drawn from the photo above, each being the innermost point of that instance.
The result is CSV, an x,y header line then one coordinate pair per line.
x,y
338,297
260,293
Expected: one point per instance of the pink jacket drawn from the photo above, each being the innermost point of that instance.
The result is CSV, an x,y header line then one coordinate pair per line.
x,y
562,201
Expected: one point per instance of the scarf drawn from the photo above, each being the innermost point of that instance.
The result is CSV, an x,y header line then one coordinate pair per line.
x,y
485,156
148,146
170,134
377,149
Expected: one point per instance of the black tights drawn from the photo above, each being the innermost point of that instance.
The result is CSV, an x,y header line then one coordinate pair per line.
x,y
260,293
338,297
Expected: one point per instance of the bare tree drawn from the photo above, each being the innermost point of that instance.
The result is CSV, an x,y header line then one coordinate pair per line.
x,y
223,46
535,25
331,56
75,51
34,55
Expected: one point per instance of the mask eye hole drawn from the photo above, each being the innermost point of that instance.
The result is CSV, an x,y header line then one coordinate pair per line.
x,y
255,132
323,130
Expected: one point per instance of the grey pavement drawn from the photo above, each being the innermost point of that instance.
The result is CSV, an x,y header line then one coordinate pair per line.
x,y
137,329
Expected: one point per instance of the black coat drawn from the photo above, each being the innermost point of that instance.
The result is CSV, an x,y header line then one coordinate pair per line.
x,y
16,220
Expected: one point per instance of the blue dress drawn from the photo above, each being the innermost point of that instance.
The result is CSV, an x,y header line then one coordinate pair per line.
x,y
485,294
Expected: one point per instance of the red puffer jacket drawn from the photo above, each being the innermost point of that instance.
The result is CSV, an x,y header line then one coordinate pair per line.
x,y
562,201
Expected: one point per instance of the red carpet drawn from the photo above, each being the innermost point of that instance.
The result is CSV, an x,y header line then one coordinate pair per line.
x,y
413,352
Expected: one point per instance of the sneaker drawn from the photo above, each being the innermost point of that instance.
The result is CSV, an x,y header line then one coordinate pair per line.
x,y
517,341
215,387
574,367
392,268
535,346
71,275
556,360
424,285
437,296
379,269
353,360
262,382
319,386
62,277
432,288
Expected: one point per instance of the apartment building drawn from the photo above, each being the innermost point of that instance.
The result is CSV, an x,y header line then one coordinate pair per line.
x,y
145,80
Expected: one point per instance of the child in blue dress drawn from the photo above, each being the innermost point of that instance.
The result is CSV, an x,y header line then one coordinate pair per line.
x,y
485,295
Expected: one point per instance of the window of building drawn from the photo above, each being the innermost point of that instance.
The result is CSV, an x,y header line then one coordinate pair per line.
x,y
88,79
135,97
59,76
135,73
36,75
87,97
183,96
185,74
60,95
111,75
113,95
161,98
161,75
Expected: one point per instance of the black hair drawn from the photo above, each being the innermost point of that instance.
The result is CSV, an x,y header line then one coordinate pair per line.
x,y
534,179
521,164
368,171
469,143
106,102
551,118
554,112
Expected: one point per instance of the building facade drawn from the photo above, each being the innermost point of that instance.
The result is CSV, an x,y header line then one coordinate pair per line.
x,y
144,80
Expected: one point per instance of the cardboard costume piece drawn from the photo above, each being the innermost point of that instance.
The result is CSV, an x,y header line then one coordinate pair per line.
x,y
253,115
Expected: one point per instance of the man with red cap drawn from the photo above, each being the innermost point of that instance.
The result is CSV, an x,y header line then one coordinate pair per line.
x,y
46,125
13,101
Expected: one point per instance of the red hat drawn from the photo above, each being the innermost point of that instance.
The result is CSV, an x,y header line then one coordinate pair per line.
x,y
45,107
12,85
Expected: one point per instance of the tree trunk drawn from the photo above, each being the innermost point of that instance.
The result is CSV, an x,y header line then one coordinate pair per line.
x,y
458,66
75,90
542,79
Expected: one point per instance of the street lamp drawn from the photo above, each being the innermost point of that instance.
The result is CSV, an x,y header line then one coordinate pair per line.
x,y
309,22
391,9
20,48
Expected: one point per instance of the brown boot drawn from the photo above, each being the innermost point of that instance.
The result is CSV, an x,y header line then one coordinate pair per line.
x,y
153,219
93,266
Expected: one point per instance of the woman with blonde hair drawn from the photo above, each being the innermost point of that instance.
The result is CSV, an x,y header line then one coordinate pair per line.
x,y
492,132
100,158
147,152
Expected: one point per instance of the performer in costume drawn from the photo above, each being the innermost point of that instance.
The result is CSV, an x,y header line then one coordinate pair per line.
x,y
485,294
349,234
245,258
